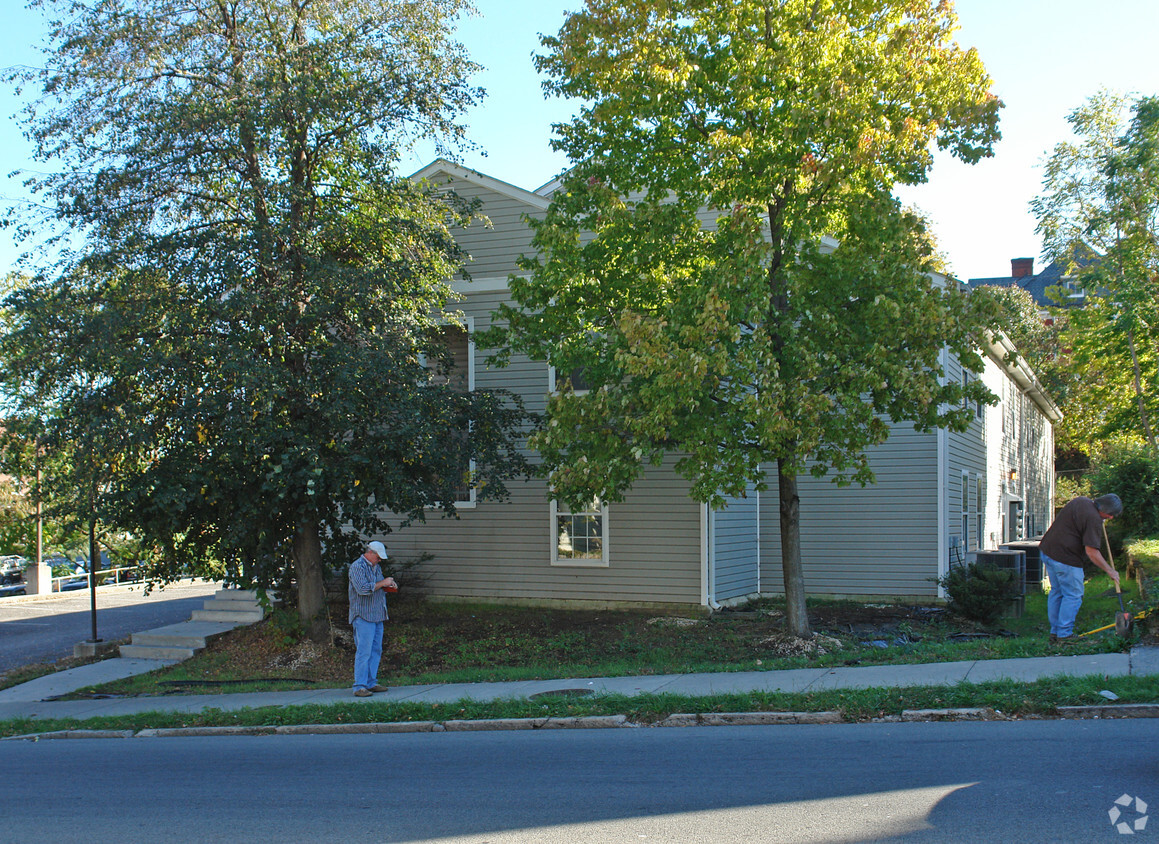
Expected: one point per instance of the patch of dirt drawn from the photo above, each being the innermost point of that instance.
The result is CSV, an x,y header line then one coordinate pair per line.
x,y
675,621
871,621
424,638
297,657
784,645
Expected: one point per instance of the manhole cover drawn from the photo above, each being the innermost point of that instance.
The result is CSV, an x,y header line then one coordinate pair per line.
x,y
561,693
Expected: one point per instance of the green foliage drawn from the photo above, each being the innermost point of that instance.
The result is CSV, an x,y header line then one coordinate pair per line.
x,y
1147,550
242,365
1099,216
1068,487
1133,475
287,624
722,153
979,591
1036,341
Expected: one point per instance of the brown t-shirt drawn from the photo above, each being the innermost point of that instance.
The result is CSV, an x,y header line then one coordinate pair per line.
x,y
1077,526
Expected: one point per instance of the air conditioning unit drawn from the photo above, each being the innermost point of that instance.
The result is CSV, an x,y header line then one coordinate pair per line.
x,y
1012,560
1034,572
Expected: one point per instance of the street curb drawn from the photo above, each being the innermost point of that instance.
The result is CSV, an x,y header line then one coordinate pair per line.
x,y
977,713
744,719
1122,710
73,734
591,722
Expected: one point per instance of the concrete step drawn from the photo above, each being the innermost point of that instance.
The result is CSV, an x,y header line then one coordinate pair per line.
x,y
229,608
238,616
156,652
215,604
187,634
248,595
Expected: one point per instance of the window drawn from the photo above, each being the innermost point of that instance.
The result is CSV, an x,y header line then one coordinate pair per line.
x,y
459,373
579,537
966,511
577,380
981,508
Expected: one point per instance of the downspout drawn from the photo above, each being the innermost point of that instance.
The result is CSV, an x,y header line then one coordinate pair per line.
x,y
758,494
943,502
707,547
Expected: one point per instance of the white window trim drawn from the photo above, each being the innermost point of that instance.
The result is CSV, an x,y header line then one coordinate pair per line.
x,y
964,504
979,493
603,562
551,387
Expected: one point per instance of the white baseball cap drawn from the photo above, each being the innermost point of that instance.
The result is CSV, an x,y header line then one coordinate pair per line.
x,y
378,548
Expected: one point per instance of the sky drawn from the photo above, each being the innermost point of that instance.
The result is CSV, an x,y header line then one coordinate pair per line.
x,y
1046,57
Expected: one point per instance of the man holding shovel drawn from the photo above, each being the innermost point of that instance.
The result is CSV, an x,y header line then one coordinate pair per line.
x,y
1075,536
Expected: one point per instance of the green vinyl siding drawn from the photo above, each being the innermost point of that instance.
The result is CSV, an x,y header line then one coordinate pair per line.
x,y
875,540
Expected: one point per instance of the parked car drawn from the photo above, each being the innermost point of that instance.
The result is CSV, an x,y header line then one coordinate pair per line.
x,y
12,575
12,569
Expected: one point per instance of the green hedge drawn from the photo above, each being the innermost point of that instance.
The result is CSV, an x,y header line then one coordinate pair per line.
x,y
1144,556
1134,477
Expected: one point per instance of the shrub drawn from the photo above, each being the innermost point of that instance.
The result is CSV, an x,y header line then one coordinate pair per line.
x,y
980,592
1133,475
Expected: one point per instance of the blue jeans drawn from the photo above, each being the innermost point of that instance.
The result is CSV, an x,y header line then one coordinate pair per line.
x,y
367,652
1066,595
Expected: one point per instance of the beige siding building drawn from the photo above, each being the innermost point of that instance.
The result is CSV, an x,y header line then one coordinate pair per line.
x,y
939,497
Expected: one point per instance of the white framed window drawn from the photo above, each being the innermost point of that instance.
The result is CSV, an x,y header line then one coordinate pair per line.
x,y
967,537
579,537
981,511
461,377
579,384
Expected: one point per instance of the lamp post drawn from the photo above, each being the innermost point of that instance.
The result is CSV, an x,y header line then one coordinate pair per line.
x,y
94,561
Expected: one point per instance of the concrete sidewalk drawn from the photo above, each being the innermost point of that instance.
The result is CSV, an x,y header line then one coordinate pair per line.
x,y
29,699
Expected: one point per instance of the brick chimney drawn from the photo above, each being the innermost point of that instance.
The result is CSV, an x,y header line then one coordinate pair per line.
x,y
1021,267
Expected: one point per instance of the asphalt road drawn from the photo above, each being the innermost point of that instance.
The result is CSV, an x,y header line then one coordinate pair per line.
x,y
1034,781
46,630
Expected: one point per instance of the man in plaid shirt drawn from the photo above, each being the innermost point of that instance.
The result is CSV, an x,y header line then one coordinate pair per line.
x,y
367,592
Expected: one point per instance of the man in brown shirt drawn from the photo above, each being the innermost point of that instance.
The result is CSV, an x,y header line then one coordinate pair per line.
x,y
1075,536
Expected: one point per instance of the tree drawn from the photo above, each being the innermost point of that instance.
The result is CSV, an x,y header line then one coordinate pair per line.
x,y
250,342
1036,338
1099,215
725,260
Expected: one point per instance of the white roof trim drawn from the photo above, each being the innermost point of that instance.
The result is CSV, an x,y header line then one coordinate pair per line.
x,y
550,187
997,349
441,165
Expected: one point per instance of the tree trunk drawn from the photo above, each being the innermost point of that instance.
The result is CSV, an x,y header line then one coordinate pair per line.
x,y
796,616
307,554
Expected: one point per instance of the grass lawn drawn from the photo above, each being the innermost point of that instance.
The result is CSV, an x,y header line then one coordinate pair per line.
x,y
430,642
433,642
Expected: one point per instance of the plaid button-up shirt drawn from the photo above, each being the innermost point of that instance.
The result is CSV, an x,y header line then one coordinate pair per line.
x,y
366,602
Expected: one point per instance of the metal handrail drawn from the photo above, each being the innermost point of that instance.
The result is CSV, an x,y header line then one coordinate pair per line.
x,y
102,577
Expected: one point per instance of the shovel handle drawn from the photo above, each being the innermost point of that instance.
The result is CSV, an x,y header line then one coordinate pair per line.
x,y
1110,556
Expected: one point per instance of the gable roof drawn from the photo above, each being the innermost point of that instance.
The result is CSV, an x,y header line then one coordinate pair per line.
x,y
441,165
